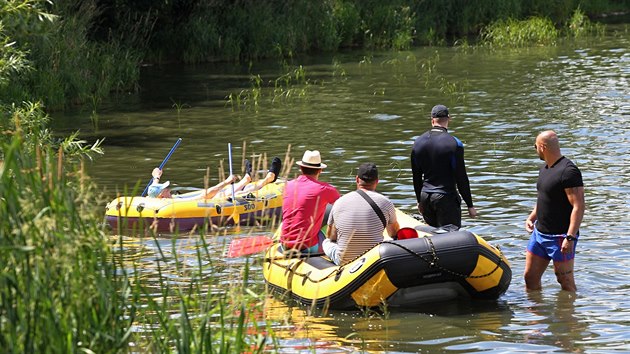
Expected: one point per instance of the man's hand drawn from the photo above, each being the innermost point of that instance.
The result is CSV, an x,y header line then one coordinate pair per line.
x,y
529,225
567,246
472,212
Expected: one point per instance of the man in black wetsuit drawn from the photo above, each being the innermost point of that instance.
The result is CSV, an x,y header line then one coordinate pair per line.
x,y
555,220
439,172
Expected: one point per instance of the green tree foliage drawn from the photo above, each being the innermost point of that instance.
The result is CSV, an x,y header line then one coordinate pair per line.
x,y
197,31
50,57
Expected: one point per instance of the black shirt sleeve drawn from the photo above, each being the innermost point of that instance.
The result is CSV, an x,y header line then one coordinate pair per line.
x,y
461,177
416,171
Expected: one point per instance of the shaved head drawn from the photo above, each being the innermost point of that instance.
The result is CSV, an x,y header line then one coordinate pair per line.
x,y
548,146
549,138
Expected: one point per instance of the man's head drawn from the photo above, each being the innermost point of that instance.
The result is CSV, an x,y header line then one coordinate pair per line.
x,y
439,114
547,144
311,163
367,175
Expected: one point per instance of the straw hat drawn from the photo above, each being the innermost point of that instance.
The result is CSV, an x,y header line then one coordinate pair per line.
x,y
312,159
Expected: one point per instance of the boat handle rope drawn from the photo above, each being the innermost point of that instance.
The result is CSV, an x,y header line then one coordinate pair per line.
x,y
306,276
434,262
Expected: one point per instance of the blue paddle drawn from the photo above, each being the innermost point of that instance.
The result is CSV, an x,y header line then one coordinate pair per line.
x,y
179,140
235,215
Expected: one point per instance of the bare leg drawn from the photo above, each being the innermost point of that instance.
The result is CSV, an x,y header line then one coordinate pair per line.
x,y
270,177
213,191
534,268
242,183
225,190
245,185
564,275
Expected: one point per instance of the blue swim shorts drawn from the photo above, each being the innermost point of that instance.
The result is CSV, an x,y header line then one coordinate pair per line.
x,y
549,247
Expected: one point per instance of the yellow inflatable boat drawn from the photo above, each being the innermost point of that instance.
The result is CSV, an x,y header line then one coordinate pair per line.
x,y
185,211
437,265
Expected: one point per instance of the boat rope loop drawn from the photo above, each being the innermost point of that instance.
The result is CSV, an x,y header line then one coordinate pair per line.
x,y
306,276
433,263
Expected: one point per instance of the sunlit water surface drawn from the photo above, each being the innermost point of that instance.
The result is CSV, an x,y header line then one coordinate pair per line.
x,y
369,107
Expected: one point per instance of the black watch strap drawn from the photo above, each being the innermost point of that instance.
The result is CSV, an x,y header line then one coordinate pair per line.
x,y
571,238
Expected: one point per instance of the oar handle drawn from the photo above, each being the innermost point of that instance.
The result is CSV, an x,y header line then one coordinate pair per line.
x,y
179,140
230,162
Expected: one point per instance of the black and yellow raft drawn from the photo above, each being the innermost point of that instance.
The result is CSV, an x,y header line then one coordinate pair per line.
x,y
186,211
435,266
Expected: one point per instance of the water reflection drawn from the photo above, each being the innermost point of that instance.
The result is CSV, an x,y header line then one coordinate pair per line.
x,y
428,328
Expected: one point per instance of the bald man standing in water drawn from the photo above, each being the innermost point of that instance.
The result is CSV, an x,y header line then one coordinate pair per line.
x,y
555,220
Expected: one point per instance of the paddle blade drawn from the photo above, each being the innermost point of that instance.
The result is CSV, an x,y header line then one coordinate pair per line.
x,y
236,217
250,245
406,232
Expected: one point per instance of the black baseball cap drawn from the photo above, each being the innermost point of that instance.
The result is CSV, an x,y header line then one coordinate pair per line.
x,y
439,111
368,172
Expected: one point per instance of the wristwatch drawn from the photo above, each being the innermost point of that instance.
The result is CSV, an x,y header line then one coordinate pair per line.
x,y
571,238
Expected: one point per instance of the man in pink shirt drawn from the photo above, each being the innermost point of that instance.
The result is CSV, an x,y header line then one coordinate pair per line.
x,y
304,206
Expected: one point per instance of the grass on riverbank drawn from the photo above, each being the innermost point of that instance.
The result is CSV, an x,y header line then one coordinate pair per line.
x,y
535,31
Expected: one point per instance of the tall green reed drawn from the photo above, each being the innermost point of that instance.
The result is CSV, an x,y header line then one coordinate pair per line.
x,y
189,316
579,26
286,88
58,289
519,33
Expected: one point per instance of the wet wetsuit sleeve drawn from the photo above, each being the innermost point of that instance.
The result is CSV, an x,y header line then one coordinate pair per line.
x,y
461,177
417,176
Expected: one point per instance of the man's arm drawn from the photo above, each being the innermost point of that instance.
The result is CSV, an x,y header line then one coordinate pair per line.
x,y
531,219
331,233
392,229
576,199
461,177
416,172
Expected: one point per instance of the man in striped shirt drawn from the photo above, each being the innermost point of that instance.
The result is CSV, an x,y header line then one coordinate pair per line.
x,y
357,220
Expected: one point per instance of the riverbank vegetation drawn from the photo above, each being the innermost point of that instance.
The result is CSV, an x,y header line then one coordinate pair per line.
x,y
80,52
198,31
537,31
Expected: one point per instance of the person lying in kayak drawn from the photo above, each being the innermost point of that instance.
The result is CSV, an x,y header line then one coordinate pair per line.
x,y
160,190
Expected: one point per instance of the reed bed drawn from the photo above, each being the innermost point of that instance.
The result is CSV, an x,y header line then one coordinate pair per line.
x,y
291,86
538,31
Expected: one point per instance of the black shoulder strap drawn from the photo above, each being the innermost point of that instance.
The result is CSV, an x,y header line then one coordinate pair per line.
x,y
377,210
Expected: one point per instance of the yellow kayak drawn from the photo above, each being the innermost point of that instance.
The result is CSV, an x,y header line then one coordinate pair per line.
x,y
185,211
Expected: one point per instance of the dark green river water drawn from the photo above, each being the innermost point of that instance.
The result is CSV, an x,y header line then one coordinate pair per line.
x,y
359,107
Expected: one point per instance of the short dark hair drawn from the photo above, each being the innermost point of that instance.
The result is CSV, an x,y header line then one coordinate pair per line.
x,y
309,171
